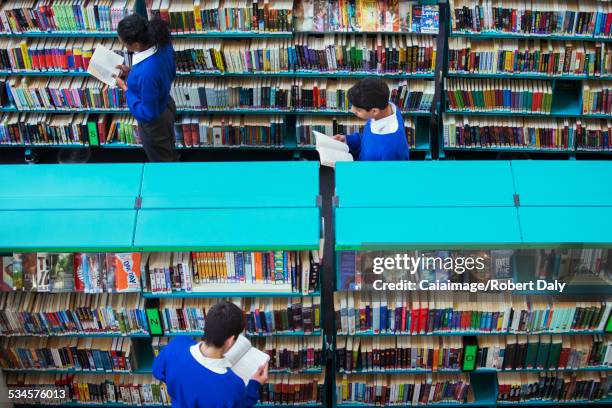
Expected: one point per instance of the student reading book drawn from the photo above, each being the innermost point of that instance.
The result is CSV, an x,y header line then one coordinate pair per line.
x,y
383,136
330,150
201,374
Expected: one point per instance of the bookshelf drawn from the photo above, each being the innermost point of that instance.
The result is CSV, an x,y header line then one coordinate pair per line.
x,y
567,93
423,134
515,212
119,207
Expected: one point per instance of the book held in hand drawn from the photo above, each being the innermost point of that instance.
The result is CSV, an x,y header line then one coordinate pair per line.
x,y
330,150
245,358
103,65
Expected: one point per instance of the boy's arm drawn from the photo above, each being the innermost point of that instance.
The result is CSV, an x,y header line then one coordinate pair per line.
x,y
252,393
159,364
354,141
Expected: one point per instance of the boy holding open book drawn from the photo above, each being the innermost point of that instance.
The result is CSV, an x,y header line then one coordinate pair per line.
x,y
221,371
383,136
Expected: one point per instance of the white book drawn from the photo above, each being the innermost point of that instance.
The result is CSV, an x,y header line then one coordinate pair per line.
x,y
103,65
245,359
330,150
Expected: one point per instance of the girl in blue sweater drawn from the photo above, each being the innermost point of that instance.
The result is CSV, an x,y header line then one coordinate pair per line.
x,y
198,376
383,137
147,84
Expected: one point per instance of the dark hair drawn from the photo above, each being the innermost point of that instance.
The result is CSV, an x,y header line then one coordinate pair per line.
x,y
369,93
223,321
136,28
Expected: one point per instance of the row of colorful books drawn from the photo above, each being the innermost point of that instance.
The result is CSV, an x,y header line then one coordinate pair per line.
x,y
533,56
140,389
527,133
534,352
416,389
68,272
166,272
499,94
341,125
445,313
59,15
263,316
565,17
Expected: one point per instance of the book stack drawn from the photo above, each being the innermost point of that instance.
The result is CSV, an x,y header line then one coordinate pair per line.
x,y
366,16
298,271
403,389
544,352
229,131
514,132
561,387
376,354
499,95
264,316
426,313
596,98
71,272
341,125
53,389
594,135
289,389
186,16
66,16
27,313
63,93
566,17
532,56
78,354
53,54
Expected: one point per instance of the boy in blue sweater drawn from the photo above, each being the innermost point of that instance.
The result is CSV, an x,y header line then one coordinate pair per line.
x,y
383,137
198,376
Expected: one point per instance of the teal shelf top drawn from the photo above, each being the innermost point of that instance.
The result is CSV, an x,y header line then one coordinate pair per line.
x,y
367,32
275,334
234,34
45,73
123,405
477,371
577,226
525,36
302,74
182,295
81,334
419,184
230,185
70,186
67,230
433,404
454,333
563,183
95,34
228,229
559,114
605,402
426,228
508,149
516,75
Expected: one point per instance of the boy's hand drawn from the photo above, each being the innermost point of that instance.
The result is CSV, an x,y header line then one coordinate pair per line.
x,y
120,83
340,138
124,71
261,376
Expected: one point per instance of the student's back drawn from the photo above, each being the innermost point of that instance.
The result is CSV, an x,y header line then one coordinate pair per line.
x,y
193,385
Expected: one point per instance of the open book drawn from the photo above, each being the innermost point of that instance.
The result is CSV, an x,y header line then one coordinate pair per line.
x,y
103,65
245,359
330,150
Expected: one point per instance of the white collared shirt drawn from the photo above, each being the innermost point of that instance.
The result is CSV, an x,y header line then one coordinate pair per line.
x,y
216,365
385,125
143,55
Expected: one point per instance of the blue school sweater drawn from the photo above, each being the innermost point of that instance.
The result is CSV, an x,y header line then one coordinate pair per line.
x,y
149,85
191,385
371,146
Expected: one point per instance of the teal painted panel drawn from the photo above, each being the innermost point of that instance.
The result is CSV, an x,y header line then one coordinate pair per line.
x,y
420,227
563,225
69,186
563,183
227,229
237,184
424,184
68,229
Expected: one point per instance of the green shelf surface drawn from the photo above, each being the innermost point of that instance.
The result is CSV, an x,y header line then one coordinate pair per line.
x,y
213,185
228,229
67,230
70,186
567,183
543,226
185,295
426,228
422,184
